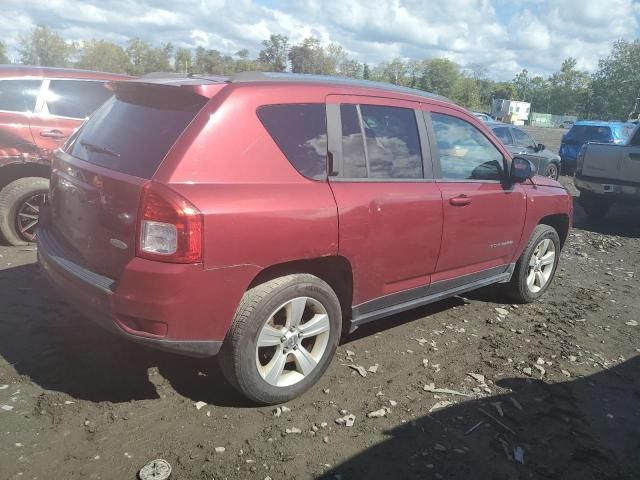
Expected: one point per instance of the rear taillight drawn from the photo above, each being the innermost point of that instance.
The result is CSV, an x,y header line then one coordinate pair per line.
x,y
170,228
580,158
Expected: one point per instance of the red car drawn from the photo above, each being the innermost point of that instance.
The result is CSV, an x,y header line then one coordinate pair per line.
x,y
39,108
258,217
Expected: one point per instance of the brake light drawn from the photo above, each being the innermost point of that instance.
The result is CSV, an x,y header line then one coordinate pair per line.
x,y
580,158
170,228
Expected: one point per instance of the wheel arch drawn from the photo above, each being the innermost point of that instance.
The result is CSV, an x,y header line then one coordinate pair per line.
x,y
560,223
11,172
336,270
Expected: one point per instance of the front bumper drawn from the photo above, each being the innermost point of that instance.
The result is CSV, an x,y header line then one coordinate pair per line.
x,y
622,192
94,296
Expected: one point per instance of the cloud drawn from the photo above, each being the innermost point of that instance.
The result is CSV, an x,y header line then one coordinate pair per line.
x,y
502,35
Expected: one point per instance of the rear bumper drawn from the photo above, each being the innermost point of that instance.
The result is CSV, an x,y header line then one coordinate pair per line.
x,y
94,296
623,192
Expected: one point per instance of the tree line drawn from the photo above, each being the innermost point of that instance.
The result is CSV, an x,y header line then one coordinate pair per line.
x,y
606,94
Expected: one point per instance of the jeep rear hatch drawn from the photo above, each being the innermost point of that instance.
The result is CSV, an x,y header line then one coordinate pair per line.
x,y
101,177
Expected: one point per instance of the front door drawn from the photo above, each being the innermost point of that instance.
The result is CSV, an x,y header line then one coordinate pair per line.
x,y
528,149
483,218
389,207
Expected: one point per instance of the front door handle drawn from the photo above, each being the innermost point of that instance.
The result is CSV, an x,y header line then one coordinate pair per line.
x,y
52,133
460,201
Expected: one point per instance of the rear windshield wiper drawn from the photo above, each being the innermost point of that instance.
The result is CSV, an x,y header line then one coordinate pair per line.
x,y
98,149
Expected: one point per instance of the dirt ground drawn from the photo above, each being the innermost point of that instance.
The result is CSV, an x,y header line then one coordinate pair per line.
x,y
560,396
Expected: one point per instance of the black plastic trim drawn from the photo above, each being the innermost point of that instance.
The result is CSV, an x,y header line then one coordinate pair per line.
x,y
409,299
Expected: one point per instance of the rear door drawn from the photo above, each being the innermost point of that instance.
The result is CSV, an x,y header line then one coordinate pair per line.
x,y
17,104
483,218
97,181
63,106
390,210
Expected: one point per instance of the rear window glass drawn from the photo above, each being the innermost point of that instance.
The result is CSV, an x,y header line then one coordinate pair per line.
x,y
589,133
300,130
134,130
19,95
76,98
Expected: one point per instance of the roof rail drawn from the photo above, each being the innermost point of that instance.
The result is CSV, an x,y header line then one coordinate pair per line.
x,y
246,77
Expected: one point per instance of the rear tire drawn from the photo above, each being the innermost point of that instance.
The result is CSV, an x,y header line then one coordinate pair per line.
x,y
536,267
283,337
19,208
596,207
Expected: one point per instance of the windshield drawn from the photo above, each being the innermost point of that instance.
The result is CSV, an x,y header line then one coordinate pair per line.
x,y
133,131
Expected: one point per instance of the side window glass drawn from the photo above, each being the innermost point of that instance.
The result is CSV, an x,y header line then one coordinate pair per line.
x,y
354,163
75,98
522,139
503,135
392,142
300,130
19,95
465,153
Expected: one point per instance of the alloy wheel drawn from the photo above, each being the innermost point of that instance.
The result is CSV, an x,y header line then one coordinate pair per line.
x,y
541,265
292,341
27,216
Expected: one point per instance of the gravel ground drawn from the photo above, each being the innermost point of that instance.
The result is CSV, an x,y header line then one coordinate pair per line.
x,y
556,390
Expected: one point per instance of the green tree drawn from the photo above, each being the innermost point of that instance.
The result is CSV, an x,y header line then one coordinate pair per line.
x,y
351,68
44,47
274,53
308,57
183,60
104,56
465,92
569,90
366,72
145,58
4,58
504,90
439,76
522,84
616,83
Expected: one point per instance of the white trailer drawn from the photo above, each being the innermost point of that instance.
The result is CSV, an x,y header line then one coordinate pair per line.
x,y
510,111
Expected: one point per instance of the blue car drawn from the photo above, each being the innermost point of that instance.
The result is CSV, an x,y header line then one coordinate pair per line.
x,y
590,131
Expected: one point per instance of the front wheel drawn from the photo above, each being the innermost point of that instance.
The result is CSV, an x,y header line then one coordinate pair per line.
x,y
552,171
536,266
20,204
282,339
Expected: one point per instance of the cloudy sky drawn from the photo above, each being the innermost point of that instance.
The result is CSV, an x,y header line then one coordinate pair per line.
x,y
502,35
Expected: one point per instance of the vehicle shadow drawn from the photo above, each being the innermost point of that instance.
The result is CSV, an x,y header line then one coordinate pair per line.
x,y
58,349
622,221
581,429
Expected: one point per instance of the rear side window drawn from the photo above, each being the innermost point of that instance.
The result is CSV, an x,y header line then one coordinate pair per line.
x,y
76,98
300,130
19,95
503,135
134,130
465,153
391,146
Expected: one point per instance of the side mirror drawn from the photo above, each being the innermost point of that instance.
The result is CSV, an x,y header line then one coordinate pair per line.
x,y
540,147
521,170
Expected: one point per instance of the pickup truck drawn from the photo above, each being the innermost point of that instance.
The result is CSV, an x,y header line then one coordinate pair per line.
x,y
609,173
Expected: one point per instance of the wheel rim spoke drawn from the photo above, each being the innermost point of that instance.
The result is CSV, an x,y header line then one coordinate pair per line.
x,y
531,278
26,228
275,367
317,325
304,361
269,337
548,258
295,309
540,279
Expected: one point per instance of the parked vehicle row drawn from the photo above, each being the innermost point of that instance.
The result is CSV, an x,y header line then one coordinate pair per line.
x,y
258,217
39,109
609,173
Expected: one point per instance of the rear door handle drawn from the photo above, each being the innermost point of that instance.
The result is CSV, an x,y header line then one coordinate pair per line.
x,y
460,201
634,156
52,134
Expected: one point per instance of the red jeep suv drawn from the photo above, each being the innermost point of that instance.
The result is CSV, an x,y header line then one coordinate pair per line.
x,y
39,108
257,217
